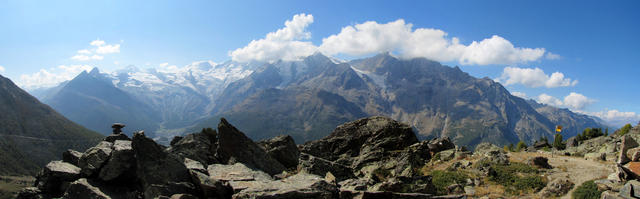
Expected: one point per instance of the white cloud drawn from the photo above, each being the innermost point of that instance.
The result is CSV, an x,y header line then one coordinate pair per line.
x,y
92,54
51,77
615,117
108,49
84,51
166,68
577,101
552,56
285,43
97,42
549,100
534,77
2,69
519,94
372,37
573,101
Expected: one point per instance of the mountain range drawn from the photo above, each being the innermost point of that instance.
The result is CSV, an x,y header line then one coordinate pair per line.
x,y
32,133
310,97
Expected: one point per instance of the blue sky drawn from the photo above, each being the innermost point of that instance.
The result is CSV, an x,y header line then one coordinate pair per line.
x,y
593,45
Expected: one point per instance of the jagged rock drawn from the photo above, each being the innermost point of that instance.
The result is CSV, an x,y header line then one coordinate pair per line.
x,y
318,166
634,154
606,184
183,196
572,142
238,175
446,155
409,160
81,188
354,184
301,185
113,137
491,153
235,146
175,140
92,160
363,141
71,156
627,143
630,190
283,149
540,162
169,189
622,174
455,189
596,156
609,195
462,164
194,165
440,144
157,170
120,161
200,147
54,178
556,188
401,184
210,187
487,149
30,193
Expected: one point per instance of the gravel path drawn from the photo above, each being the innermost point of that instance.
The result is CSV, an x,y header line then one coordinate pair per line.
x,y
577,169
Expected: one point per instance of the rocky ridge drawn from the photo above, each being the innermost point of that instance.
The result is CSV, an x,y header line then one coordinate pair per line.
x,y
369,158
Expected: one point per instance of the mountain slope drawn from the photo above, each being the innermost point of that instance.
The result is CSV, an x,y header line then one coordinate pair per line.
x,y
572,123
437,100
32,134
91,100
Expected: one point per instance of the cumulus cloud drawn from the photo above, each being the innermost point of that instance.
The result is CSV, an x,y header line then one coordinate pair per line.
x,y
101,47
97,42
577,101
2,69
519,94
573,101
285,44
373,37
534,77
108,49
166,68
549,100
616,117
51,77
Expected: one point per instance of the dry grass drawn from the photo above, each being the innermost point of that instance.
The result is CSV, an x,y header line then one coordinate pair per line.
x,y
9,185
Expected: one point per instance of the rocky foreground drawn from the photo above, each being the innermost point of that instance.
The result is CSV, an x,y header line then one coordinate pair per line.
x,y
374,157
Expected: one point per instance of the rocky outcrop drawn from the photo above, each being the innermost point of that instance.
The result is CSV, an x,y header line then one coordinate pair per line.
x,y
234,146
491,153
200,147
283,149
158,171
362,141
379,158
120,162
540,162
627,143
556,188
71,157
54,177
93,159
318,166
